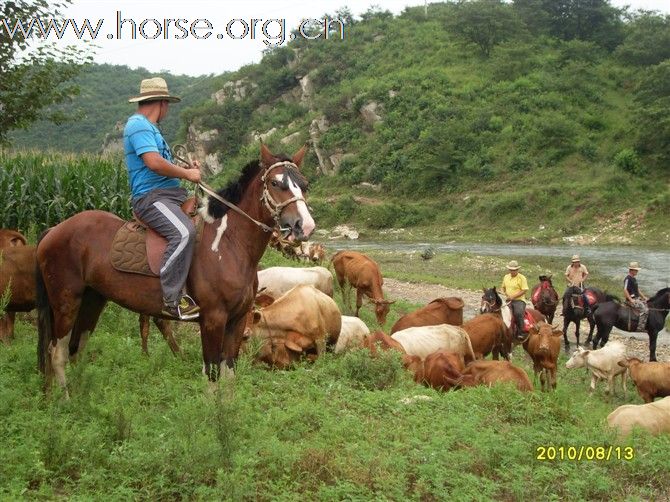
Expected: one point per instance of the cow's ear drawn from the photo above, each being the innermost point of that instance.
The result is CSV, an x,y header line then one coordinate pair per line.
x,y
290,345
299,339
257,316
556,332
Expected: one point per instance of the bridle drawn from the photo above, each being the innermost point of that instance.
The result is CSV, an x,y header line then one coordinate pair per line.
x,y
492,307
275,208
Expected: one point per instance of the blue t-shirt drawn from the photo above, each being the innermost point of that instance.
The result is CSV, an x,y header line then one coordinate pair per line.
x,y
141,136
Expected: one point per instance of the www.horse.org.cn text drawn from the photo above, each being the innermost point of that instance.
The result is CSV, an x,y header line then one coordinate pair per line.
x,y
272,32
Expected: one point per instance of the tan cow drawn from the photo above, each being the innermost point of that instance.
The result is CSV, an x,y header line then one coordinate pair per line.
x,y
424,340
362,273
651,379
353,333
439,311
276,281
300,323
11,238
652,417
543,346
488,333
493,372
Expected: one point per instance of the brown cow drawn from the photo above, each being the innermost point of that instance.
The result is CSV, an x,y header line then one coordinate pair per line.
x,y
543,346
11,238
488,333
439,311
651,379
300,323
492,372
362,273
442,370
380,340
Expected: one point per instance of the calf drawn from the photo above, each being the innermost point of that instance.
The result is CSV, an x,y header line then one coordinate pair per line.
x,y
653,417
353,333
488,333
442,370
424,340
602,363
543,346
383,341
651,379
439,311
492,372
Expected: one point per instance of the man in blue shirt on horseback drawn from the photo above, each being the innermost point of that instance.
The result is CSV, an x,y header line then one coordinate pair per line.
x,y
634,296
156,194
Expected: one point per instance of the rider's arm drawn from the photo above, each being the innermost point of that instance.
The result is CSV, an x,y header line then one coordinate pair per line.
x,y
625,291
159,165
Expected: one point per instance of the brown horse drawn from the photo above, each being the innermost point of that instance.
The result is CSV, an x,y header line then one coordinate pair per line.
x,y
545,297
492,303
76,279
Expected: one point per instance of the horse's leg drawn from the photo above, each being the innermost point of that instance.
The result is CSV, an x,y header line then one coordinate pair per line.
x,y
7,327
90,308
165,327
233,340
566,323
653,335
578,322
144,333
212,329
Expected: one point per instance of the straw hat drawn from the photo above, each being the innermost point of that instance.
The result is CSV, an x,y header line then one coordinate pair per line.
x,y
634,266
575,258
513,265
154,89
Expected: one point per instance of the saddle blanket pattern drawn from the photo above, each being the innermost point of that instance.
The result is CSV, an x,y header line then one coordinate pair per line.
x,y
129,250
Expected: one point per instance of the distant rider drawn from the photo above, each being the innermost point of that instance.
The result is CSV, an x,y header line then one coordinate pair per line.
x,y
515,286
576,275
633,295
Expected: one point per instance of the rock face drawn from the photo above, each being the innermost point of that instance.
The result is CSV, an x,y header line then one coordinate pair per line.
x,y
371,113
343,231
237,91
200,143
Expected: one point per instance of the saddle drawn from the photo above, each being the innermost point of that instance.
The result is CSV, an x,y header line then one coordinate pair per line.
x,y
137,249
528,322
577,300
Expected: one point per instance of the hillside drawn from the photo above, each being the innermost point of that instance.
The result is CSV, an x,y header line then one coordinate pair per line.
x,y
552,126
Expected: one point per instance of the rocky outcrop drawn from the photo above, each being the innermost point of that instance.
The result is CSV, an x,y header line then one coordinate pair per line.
x,y
257,136
200,143
291,138
316,129
371,113
343,232
236,90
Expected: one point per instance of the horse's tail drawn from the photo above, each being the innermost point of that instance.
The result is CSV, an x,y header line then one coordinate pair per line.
x,y
44,322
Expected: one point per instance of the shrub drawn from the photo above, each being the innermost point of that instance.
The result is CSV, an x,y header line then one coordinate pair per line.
x,y
628,161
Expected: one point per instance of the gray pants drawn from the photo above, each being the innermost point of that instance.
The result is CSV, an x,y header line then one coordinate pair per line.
x,y
518,309
161,210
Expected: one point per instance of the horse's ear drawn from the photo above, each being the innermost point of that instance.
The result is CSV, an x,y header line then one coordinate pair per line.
x,y
266,156
299,155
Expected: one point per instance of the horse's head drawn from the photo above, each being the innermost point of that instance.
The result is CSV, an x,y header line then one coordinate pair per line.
x,y
491,301
284,189
661,300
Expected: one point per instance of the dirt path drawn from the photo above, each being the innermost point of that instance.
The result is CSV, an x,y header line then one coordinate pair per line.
x,y
422,293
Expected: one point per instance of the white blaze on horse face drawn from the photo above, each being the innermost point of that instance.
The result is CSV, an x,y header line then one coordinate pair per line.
x,y
307,220
219,232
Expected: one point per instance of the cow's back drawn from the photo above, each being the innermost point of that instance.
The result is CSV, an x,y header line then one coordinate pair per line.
x,y
276,281
424,340
439,311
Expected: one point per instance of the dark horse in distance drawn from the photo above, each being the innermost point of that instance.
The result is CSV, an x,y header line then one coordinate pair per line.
x,y
612,313
545,297
574,310
76,278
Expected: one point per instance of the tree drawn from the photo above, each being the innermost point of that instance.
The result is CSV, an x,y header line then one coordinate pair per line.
x,y
485,23
34,74
652,118
647,40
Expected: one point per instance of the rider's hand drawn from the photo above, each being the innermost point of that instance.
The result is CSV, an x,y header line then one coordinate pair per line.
x,y
192,175
195,165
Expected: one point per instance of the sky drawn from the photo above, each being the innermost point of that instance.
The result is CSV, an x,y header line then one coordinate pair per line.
x,y
234,39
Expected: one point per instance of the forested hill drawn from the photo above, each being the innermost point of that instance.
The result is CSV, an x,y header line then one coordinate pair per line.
x,y
102,106
538,118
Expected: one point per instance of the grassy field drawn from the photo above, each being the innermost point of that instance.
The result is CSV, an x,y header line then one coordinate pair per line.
x,y
347,427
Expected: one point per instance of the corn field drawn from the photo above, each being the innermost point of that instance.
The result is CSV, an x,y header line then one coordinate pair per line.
x,y
39,190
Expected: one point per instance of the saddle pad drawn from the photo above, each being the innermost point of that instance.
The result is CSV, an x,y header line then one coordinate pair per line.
x,y
129,250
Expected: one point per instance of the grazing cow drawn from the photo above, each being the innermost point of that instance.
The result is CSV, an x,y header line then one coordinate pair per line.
x,y
424,340
11,238
311,251
653,417
602,363
362,273
651,379
353,333
383,341
488,333
276,281
492,372
439,311
543,346
300,323
442,370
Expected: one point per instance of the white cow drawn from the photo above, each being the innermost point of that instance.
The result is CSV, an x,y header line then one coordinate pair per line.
x,y
603,364
424,340
654,417
353,333
279,280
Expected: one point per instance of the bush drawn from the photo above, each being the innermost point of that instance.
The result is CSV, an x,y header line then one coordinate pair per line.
x,y
628,161
372,373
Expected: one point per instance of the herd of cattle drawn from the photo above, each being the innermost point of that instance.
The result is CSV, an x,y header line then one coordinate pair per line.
x,y
295,317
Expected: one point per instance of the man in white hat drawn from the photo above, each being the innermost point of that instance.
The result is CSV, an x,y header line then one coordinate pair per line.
x,y
576,274
156,194
514,286
633,295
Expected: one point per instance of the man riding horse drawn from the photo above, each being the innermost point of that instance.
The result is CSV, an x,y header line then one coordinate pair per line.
x,y
515,286
576,274
633,295
156,194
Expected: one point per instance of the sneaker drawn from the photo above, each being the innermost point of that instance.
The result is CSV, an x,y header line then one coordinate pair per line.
x,y
185,310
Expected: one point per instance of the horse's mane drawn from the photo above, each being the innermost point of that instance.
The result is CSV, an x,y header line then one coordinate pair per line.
x,y
659,294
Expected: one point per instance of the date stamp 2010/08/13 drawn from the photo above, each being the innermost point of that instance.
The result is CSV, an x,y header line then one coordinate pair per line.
x,y
584,453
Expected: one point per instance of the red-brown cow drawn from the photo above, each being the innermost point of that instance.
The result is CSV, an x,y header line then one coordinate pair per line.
x,y
442,370
362,273
651,379
543,346
439,311
492,372
380,340
488,333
